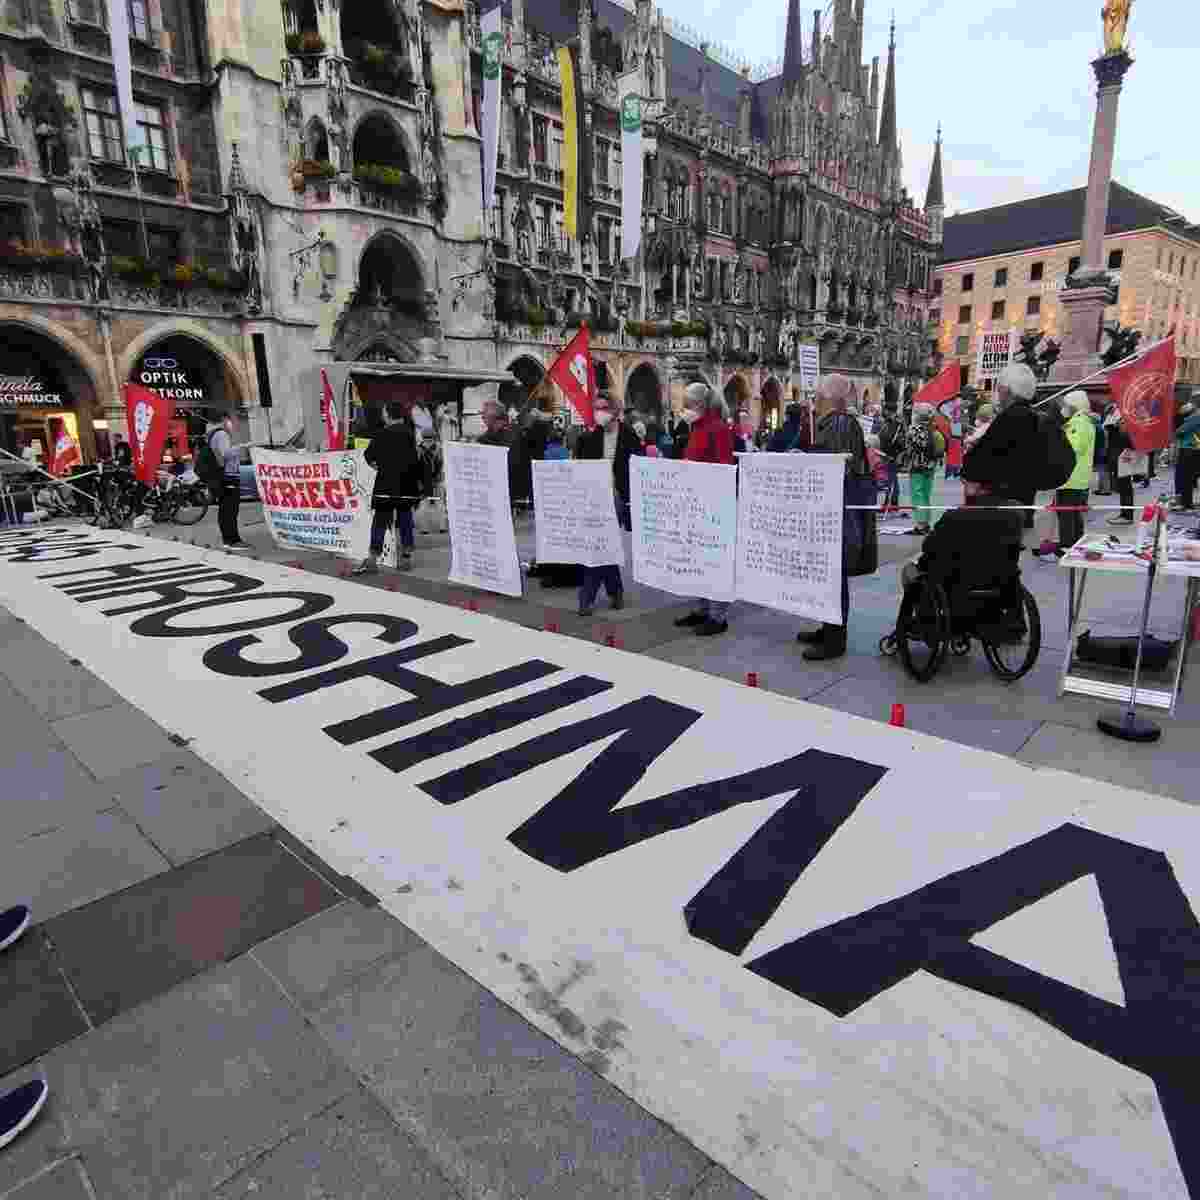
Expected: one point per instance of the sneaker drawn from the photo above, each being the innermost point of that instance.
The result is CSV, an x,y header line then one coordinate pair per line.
x,y
368,566
710,628
813,637
1119,520
824,652
19,1107
13,923
585,612
236,547
690,620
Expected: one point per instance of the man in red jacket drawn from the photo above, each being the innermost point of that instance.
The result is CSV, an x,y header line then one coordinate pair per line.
x,y
711,441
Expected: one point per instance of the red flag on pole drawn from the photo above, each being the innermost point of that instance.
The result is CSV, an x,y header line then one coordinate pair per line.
x,y
148,416
574,372
1144,392
333,429
945,385
66,453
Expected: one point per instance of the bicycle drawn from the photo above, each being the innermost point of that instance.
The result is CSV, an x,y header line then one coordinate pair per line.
x,y
177,499
75,496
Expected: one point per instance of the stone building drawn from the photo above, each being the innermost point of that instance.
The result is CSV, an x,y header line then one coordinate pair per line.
x,y
774,211
1005,267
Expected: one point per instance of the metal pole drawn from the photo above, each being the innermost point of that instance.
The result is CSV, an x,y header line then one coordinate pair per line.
x,y
1094,375
53,479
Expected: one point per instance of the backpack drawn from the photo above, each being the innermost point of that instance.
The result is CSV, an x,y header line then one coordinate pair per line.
x,y
890,440
1057,463
920,449
206,464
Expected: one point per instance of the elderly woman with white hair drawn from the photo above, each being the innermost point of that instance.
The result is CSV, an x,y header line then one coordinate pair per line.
x,y
711,441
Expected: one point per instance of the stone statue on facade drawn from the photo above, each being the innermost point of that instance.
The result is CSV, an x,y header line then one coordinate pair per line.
x,y
722,341
1115,15
787,338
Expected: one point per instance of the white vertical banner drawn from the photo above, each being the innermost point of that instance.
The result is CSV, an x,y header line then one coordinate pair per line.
x,y
483,544
631,163
684,526
810,366
789,541
492,41
118,29
576,515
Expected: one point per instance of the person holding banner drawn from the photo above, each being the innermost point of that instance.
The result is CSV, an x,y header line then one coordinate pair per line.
x,y
711,441
398,484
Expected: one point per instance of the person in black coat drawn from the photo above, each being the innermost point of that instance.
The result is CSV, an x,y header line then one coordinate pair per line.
x,y
398,483
680,436
1116,442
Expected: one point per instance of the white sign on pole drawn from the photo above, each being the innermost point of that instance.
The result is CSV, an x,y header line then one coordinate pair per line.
x,y
789,542
576,514
684,526
810,367
483,544
995,353
318,501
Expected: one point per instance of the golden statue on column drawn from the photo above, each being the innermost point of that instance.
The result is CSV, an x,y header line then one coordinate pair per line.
x,y
1115,15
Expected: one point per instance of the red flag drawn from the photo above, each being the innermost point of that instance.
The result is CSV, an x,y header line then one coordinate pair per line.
x,y
329,414
148,416
574,372
1144,391
945,385
66,453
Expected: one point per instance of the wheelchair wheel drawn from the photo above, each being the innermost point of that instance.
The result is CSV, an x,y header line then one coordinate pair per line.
x,y
923,630
1012,656
960,646
887,645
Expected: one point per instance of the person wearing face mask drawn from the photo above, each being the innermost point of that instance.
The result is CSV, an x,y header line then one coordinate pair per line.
x,y
711,441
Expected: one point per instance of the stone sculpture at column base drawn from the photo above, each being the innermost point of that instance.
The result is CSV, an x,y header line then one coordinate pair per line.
x,y
1081,347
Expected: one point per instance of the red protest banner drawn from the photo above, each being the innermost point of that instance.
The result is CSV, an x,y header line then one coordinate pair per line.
x,y
945,385
575,373
148,416
66,453
1144,393
335,436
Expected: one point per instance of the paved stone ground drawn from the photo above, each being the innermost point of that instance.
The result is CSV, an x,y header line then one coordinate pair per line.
x,y
221,1015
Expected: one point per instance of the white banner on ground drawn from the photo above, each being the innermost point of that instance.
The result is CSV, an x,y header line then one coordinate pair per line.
x,y
789,541
483,544
684,526
757,917
810,366
995,353
575,512
318,501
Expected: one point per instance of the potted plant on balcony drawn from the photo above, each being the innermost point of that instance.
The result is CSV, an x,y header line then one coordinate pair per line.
x,y
379,68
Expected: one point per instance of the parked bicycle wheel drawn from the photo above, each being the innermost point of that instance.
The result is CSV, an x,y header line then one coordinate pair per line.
x,y
191,504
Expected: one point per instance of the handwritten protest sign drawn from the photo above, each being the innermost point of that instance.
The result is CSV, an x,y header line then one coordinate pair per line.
x,y
789,542
483,545
684,526
575,513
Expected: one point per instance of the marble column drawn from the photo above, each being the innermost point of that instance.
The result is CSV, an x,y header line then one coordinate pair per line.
x,y
1089,291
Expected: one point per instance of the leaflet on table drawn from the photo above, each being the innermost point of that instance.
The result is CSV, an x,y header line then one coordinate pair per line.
x,y
684,526
483,544
789,542
576,517
317,501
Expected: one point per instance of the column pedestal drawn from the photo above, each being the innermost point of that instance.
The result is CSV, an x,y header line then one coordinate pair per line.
x,y
1084,310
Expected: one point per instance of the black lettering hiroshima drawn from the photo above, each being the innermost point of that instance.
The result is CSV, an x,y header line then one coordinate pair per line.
x,y
1154,932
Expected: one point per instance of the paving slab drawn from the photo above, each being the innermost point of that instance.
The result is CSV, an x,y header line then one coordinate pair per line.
x,y
24,727
355,1151
52,684
78,863
492,1098
315,961
65,1181
44,789
126,948
176,1097
39,1010
185,807
112,740
718,1184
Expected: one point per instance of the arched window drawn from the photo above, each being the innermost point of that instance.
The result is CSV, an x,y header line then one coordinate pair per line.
x,y
316,142
388,270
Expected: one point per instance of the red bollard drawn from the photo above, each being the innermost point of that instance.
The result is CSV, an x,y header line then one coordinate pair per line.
x,y
610,640
897,718
473,606
551,626
752,679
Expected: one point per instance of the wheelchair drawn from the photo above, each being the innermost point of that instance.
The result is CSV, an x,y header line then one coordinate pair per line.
x,y
939,616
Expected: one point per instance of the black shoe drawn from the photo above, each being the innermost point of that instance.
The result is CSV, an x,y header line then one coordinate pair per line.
x,y
19,1108
710,628
824,651
618,601
690,620
814,637
585,612
13,923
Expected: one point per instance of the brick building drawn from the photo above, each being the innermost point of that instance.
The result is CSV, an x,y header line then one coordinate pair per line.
x,y
1004,267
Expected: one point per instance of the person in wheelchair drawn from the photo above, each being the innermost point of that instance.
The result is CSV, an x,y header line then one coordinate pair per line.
x,y
973,552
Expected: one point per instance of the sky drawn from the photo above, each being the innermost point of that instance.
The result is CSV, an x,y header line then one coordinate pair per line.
x,y
1012,85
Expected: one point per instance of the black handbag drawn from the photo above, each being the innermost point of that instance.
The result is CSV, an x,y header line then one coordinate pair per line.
x,y
1122,651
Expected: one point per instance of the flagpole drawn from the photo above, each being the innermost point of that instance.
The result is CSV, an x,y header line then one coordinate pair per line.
x,y
1096,374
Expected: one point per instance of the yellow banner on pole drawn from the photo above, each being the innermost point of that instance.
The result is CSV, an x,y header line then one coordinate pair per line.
x,y
570,163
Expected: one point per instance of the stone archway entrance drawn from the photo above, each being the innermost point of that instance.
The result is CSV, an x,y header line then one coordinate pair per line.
x,y
44,392
643,393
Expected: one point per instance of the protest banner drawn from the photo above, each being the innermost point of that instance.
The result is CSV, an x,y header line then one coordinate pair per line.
x,y
483,544
995,353
789,538
576,513
684,526
318,501
810,366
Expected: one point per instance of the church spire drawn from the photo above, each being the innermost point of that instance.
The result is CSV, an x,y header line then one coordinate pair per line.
x,y
887,122
934,196
792,58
